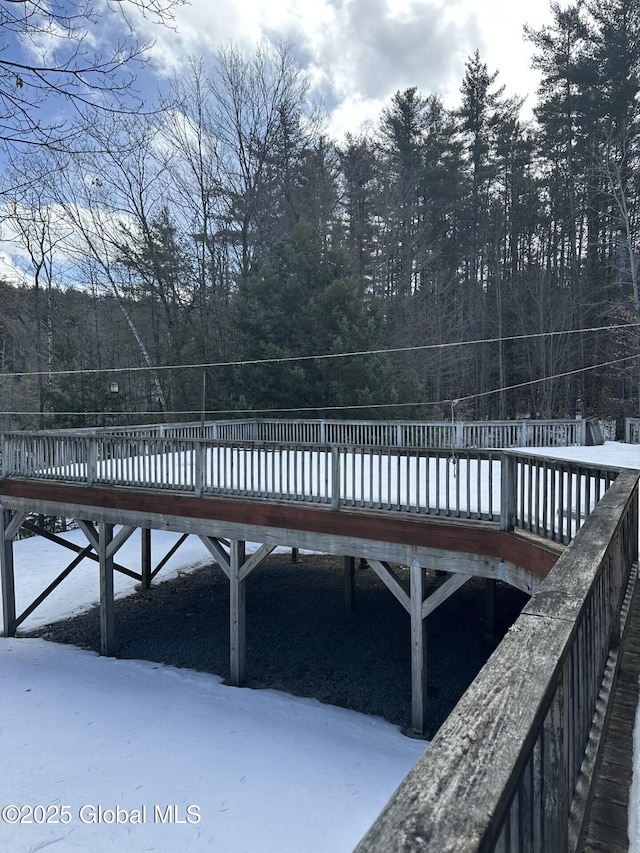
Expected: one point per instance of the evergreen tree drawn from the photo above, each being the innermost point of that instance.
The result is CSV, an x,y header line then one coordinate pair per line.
x,y
360,172
302,299
563,114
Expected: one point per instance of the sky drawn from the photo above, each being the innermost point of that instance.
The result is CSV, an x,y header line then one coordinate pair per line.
x,y
358,53
241,769
355,54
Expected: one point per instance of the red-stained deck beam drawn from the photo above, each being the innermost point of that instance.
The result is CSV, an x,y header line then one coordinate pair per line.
x,y
477,538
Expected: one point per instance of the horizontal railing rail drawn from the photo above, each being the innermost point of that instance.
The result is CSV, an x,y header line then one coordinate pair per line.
x,y
510,768
548,497
428,482
421,434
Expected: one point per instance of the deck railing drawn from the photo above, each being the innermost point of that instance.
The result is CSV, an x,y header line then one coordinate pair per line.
x,y
552,497
421,434
632,430
548,497
511,767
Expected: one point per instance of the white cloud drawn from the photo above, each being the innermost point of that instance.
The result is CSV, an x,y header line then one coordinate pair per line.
x,y
357,53
11,272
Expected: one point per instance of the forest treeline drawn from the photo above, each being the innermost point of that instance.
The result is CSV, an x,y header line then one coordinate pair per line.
x,y
473,261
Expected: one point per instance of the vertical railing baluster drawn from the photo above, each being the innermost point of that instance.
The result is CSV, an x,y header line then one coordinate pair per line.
x,y
199,474
552,502
335,479
561,502
578,499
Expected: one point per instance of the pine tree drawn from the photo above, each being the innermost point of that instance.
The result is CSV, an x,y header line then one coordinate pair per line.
x,y
303,299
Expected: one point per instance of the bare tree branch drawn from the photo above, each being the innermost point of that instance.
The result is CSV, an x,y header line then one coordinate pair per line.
x,y
53,56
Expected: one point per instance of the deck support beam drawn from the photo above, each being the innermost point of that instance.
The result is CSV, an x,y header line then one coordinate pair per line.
x,y
418,652
7,573
13,528
418,609
107,615
145,557
215,548
237,568
237,615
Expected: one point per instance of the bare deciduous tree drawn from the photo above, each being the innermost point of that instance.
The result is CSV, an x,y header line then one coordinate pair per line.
x,y
47,54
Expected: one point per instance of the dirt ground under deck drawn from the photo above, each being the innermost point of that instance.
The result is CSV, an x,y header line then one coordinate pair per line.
x,y
300,637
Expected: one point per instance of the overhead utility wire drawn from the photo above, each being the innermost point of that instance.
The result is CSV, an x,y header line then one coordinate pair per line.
x,y
452,403
325,356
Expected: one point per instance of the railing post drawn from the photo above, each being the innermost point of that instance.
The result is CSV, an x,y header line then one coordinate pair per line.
x,y
4,458
199,451
458,440
92,461
507,492
335,479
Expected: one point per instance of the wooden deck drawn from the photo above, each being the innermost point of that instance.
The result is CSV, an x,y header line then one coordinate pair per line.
x,y
225,524
517,748
609,812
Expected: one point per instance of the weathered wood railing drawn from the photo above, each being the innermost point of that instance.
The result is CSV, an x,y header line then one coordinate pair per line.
x,y
552,497
422,434
511,767
632,430
549,497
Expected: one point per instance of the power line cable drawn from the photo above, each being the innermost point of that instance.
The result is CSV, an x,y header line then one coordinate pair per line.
x,y
307,409
319,357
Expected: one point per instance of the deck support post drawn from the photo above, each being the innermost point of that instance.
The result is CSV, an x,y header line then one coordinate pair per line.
x,y
8,580
237,615
107,616
145,557
418,652
349,583
295,553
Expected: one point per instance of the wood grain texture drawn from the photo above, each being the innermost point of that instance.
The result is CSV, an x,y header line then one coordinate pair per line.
x,y
501,772
281,521
608,817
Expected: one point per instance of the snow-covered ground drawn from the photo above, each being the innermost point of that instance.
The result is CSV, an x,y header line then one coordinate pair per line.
x,y
101,754
174,759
